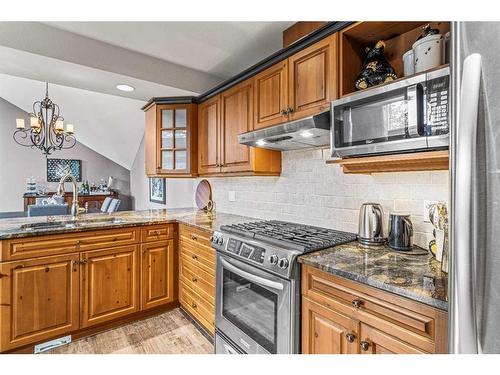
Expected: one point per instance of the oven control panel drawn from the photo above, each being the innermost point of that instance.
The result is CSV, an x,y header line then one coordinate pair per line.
x,y
271,258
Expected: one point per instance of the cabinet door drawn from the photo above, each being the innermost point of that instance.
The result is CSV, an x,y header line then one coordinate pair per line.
x,y
208,136
313,78
236,118
374,341
39,300
271,95
150,145
158,274
110,284
325,331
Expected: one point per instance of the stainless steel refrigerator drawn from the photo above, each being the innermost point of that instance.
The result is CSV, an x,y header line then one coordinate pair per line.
x,y
474,295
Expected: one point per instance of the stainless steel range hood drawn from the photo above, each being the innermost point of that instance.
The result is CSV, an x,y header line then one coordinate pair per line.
x,y
313,131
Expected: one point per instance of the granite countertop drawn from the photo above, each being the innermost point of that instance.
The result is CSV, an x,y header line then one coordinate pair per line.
x,y
11,228
417,277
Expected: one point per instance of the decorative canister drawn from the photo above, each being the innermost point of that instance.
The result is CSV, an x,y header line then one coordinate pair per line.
x,y
408,63
428,52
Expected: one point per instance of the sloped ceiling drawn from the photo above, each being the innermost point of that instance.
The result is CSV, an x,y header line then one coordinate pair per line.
x,y
110,125
83,61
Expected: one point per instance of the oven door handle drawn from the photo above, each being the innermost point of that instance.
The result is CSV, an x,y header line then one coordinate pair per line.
x,y
251,277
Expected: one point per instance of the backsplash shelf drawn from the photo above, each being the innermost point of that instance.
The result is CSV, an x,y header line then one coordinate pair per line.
x,y
417,161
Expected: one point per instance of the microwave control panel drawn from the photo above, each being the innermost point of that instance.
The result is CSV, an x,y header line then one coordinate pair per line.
x,y
437,100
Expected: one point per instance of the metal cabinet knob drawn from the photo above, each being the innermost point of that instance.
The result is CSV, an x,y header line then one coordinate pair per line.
x,y
194,305
357,303
194,238
194,257
364,345
284,112
194,280
350,337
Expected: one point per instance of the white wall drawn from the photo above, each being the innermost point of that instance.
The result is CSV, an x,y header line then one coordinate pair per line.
x,y
179,190
312,192
17,163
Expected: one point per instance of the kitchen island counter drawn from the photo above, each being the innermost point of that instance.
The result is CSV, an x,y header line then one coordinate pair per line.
x,y
26,226
417,277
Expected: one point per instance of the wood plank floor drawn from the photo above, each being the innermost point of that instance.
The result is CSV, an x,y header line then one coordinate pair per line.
x,y
168,333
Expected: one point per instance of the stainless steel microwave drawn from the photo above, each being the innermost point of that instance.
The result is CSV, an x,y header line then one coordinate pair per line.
x,y
408,115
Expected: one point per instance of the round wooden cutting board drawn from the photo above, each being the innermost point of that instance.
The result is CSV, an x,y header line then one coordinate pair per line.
x,y
203,194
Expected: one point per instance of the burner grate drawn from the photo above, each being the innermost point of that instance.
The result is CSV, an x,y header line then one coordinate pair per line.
x,y
304,238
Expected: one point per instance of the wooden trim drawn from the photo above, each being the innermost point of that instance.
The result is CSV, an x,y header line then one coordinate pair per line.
x,y
300,30
416,161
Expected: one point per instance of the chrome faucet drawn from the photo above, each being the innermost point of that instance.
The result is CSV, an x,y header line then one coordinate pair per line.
x,y
75,209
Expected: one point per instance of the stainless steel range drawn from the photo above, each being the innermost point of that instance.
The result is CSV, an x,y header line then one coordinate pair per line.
x,y
258,284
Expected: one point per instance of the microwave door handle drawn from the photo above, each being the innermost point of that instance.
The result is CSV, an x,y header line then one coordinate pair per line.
x,y
415,95
251,277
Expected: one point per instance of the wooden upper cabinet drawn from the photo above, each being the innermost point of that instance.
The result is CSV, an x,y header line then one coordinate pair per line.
x,y
171,140
39,299
159,279
221,119
236,118
208,136
313,78
325,331
271,95
110,287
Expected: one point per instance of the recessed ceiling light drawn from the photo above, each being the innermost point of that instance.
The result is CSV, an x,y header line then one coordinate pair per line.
x,y
123,87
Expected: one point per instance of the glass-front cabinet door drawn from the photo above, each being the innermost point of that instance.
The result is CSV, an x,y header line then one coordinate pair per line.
x,y
175,131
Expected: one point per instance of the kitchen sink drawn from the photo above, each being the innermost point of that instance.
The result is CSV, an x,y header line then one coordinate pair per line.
x,y
71,223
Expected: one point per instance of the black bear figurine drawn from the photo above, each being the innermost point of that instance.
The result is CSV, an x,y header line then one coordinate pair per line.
x,y
376,68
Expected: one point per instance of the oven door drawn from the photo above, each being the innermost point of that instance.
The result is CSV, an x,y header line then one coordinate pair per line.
x,y
380,120
253,307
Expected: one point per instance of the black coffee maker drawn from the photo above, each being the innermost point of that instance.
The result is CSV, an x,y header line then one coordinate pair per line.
x,y
400,232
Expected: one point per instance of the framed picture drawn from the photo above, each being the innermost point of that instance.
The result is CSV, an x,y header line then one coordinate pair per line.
x,y
157,192
57,168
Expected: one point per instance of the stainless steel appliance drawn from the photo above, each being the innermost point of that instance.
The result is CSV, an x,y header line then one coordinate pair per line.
x,y
258,284
400,232
408,115
312,131
474,310
371,224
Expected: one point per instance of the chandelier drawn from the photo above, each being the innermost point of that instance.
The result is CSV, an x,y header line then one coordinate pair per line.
x,y
46,130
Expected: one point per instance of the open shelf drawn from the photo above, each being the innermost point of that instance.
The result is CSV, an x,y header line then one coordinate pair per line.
x,y
398,36
417,161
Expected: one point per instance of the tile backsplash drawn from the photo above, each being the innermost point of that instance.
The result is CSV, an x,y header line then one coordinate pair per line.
x,y
312,192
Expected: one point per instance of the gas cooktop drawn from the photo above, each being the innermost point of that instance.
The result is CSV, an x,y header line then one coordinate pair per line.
x,y
300,237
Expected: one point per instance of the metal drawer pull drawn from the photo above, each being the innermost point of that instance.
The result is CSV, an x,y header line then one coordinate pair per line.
x,y
357,303
194,280
194,257
364,345
350,337
194,305
194,238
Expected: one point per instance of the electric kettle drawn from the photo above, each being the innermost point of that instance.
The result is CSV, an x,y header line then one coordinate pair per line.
x,y
400,232
371,224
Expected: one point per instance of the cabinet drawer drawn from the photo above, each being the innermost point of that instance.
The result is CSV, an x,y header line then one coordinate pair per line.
x,y
157,233
411,321
194,234
200,309
200,256
200,281
32,247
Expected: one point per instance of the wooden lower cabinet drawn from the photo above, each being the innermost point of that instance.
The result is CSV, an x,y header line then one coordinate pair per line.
x,y
158,273
340,316
325,331
374,341
106,277
39,299
197,276
109,284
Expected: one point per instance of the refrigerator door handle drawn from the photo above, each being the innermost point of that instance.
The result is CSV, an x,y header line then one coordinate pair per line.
x,y
464,338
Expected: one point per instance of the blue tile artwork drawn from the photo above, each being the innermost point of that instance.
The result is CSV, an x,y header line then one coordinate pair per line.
x,y
56,168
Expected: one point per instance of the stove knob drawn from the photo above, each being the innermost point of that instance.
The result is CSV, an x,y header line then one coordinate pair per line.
x,y
283,263
220,241
212,239
273,259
